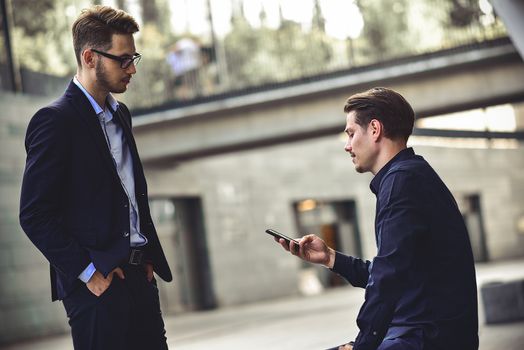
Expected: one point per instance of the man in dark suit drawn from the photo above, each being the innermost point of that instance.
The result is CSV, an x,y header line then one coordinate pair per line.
x,y
84,196
420,287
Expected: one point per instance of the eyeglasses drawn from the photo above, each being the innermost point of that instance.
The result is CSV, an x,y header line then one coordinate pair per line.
x,y
125,61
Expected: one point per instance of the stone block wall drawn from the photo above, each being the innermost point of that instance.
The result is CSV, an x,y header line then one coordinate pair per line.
x,y
25,295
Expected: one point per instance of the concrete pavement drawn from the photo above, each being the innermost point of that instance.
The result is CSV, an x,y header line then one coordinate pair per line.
x,y
314,322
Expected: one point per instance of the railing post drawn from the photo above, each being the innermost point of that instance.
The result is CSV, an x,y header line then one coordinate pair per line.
x,y
220,54
14,73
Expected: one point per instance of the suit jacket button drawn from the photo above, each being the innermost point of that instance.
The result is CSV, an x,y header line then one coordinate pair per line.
x,y
126,234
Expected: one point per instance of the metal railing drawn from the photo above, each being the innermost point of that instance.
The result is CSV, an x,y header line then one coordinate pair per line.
x,y
250,59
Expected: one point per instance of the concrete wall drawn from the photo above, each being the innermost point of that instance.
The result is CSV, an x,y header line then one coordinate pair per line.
x,y
25,296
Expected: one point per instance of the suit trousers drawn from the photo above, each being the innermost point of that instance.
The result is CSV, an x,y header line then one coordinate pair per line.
x,y
126,316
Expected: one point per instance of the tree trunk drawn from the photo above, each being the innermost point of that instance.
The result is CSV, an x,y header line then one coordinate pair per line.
x,y
121,4
149,11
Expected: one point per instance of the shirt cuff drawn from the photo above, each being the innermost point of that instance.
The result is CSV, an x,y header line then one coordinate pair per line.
x,y
341,262
85,276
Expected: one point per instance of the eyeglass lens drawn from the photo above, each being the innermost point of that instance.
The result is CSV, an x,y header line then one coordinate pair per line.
x,y
127,61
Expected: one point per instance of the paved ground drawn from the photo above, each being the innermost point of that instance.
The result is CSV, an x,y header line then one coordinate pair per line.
x,y
314,322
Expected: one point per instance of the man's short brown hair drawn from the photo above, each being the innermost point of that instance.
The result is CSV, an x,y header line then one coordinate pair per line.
x,y
385,105
95,26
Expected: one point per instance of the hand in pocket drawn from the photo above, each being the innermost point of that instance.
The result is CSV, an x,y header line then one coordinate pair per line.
x,y
98,284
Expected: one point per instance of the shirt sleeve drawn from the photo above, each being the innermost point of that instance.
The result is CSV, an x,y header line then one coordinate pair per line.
x,y
400,224
354,270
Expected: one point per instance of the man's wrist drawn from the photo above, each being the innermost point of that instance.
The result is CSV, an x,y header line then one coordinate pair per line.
x,y
331,258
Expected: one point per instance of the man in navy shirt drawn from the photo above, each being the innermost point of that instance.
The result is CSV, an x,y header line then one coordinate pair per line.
x,y
420,287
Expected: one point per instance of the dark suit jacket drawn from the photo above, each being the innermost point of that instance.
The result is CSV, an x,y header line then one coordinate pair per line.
x,y
73,207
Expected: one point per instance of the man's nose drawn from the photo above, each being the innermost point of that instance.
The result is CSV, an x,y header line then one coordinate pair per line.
x,y
131,69
347,147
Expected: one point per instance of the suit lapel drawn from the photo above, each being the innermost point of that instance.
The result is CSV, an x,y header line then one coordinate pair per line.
x,y
90,119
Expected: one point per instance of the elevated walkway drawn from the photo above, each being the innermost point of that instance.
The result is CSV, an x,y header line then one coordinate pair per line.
x,y
448,81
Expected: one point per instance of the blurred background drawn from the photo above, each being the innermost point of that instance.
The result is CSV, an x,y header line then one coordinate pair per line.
x,y
238,116
200,48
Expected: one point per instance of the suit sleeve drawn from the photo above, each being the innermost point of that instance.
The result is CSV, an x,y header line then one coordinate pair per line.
x,y
41,203
400,225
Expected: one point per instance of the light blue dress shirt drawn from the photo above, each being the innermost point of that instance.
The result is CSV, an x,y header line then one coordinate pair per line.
x,y
123,161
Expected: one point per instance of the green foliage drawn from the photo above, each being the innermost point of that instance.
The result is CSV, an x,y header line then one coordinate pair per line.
x,y
41,36
385,36
257,56
31,16
148,86
400,28
464,13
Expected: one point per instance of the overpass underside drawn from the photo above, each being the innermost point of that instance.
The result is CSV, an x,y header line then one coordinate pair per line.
x,y
445,82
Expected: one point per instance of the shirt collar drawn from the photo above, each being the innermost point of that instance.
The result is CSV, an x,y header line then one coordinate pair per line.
x,y
110,100
402,155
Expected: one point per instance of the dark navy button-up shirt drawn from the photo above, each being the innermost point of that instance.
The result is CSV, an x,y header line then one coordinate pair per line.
x,y
422,279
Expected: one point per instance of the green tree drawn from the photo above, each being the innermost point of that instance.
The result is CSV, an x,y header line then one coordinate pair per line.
x,y
150,12
302,53
241,46
157,13
121,4
385,28
319,21
264,55
463,13
42,36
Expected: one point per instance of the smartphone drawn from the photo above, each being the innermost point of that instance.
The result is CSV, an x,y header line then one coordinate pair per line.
x,y
280,235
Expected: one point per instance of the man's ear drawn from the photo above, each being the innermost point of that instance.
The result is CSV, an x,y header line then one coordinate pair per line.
x,y
376,129
88,58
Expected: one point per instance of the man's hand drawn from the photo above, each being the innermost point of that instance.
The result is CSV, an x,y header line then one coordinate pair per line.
x,y
149,271
312,249
345,347
97,284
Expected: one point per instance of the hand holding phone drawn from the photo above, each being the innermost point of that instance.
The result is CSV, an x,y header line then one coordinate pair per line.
x,y
314,249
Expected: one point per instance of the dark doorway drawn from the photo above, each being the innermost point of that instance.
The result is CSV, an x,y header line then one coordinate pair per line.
x,y
472,214
336,223
180,226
